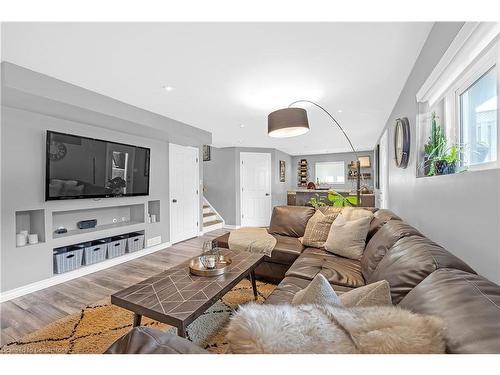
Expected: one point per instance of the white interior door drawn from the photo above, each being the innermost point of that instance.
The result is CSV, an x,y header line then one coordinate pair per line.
x,y
384,171
184,199
255,185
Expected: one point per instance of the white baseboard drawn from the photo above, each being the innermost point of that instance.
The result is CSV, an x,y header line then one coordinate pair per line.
x,y
85,270
212,227
227,226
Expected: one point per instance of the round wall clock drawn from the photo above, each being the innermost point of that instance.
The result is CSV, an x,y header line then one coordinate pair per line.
x,y
402,142
57,151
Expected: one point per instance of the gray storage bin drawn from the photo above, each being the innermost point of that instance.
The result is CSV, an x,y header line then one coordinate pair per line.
x,y
117,246
135,242
95,252
68,259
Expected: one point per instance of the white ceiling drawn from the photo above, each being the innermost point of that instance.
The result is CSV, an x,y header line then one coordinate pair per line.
x,y
226,75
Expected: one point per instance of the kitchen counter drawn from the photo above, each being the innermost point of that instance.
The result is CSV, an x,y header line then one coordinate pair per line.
x,y
301,197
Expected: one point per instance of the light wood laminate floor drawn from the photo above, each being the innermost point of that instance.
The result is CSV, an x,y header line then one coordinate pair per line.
x,y
23,315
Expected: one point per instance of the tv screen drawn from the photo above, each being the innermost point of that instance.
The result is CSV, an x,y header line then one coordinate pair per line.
x,y
81,167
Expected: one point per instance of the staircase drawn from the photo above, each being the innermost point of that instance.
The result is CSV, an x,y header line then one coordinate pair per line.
x,y
211,218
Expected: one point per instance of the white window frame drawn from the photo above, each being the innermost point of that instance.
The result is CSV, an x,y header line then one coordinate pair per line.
x,y
478,70
474,51
331,162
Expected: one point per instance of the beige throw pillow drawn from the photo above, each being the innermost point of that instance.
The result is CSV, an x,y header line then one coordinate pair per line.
x,y
347,238
375,294
319,291
317,229
354,213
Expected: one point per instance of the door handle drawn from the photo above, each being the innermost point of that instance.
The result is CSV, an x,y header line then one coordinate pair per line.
x,y
267,194
174,200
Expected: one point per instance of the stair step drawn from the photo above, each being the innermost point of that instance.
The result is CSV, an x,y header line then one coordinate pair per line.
x,y
206,206
209,214
210,223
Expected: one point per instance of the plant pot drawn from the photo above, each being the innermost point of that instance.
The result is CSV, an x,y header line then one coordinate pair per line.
x,y
451,168
441,167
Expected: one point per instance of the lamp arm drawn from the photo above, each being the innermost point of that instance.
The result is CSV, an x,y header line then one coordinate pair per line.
x,y
358,187
333,118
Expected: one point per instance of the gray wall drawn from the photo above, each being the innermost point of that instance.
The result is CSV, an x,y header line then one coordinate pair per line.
x,y
222,180
346,157
460,212
27,112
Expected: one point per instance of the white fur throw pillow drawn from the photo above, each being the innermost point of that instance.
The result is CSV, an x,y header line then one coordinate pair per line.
x,y
348,238
273,329
319,291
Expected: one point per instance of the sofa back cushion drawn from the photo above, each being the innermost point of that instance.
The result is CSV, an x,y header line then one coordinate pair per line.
x,y
290,220
410,261
382,241
469,305
380,217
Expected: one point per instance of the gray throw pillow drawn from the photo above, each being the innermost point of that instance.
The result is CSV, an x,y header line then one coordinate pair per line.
x,y
319,291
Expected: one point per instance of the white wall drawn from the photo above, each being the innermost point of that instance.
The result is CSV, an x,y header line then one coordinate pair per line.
x,y
27,112
222,180
460,212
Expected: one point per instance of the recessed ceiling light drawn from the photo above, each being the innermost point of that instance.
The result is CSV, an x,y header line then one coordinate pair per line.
x,y
168,88
339,111
242,125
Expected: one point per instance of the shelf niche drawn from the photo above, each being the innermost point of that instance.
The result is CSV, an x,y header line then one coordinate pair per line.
x,y
154,209
33,221
107,218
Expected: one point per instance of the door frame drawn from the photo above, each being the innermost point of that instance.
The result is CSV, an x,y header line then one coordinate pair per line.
x,y
172,146
270,181
384,169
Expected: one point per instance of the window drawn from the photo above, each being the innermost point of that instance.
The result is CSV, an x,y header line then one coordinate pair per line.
x,y
478,120
330,172
457,121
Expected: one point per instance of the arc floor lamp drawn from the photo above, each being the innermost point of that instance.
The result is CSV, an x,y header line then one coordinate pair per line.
x,y
292,121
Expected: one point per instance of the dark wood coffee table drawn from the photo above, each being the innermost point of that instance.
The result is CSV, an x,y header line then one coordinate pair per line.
x,y
177,297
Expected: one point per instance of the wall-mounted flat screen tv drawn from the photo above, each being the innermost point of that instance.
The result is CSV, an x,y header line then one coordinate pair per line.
x,y
82,167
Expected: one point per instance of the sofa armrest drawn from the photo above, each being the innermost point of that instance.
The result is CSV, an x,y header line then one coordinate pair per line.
x,y
144,340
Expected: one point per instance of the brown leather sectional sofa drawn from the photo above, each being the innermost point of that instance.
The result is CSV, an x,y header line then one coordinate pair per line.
x,y
424,278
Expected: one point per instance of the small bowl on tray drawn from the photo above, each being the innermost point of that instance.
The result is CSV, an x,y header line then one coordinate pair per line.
x,y
197,267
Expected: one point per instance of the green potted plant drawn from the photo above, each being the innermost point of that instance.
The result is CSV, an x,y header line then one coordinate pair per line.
x,y
434,147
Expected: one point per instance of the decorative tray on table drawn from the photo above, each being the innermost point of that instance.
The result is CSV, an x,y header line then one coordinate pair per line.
x,y
200,266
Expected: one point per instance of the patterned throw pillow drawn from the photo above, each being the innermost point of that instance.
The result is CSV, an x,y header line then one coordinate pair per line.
x,y
317,229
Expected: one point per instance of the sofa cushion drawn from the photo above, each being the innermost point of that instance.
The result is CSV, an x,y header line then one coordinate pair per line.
x,y
286,251
380,217
382,241
286,290
468,303
410,261
290,220
317,229
145,340
222,241
337,270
